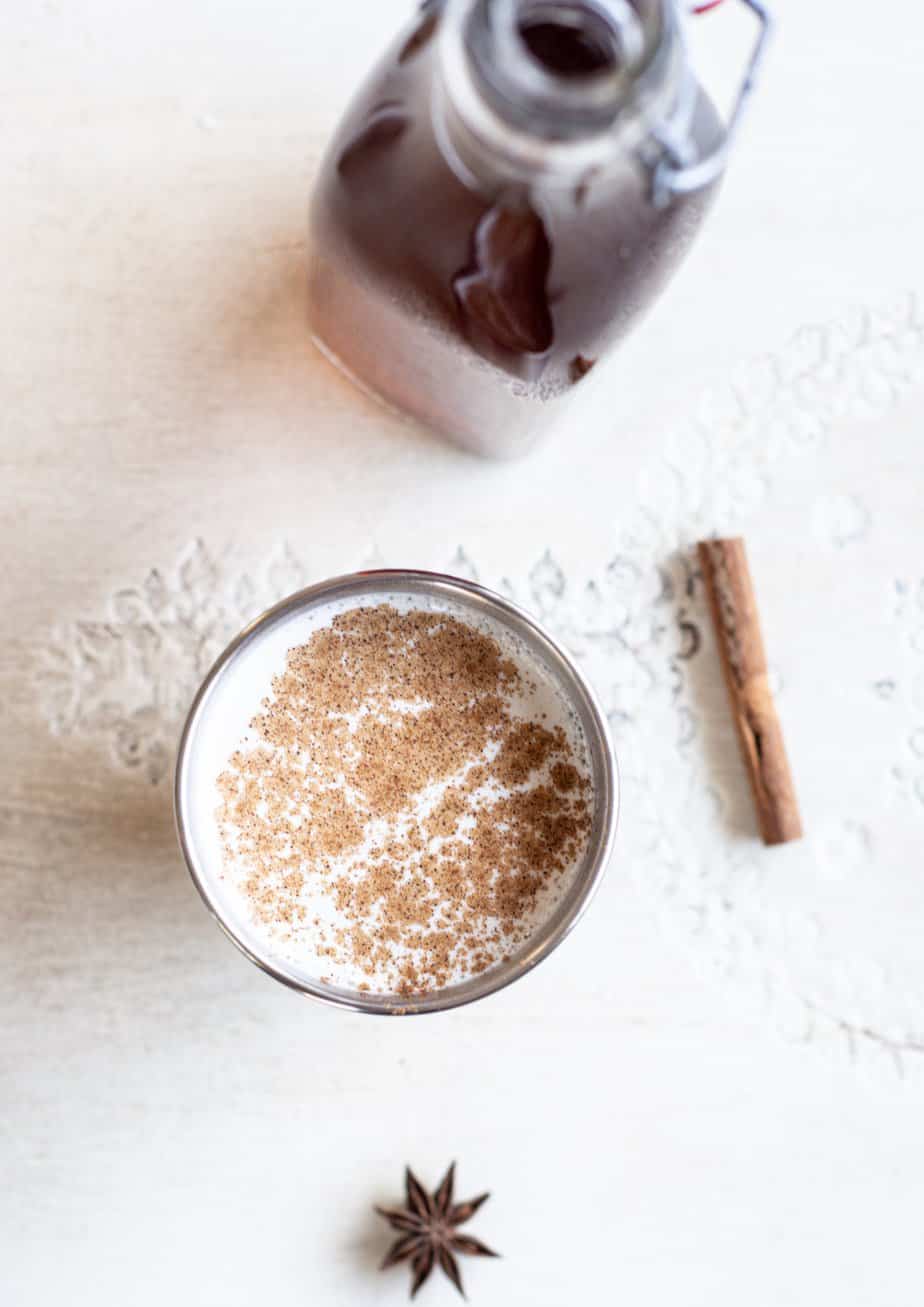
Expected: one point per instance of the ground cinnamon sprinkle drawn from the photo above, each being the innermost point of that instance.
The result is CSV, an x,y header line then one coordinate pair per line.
x,y
389,772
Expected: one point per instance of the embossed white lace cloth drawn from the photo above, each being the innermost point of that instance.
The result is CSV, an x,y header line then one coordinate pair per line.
x,y
711,1092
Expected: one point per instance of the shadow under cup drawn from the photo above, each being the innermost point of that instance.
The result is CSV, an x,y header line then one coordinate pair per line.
x,y
231,695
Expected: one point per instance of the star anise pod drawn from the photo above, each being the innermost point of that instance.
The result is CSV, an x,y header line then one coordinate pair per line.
x,y
428,1230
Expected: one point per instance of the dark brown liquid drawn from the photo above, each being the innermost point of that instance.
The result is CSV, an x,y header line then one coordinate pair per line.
x,y
537,283
567,51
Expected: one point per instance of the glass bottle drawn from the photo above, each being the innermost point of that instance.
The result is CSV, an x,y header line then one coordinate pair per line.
x,y
508,191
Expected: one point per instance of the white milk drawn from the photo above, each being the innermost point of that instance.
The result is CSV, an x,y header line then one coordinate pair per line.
x,y
223,726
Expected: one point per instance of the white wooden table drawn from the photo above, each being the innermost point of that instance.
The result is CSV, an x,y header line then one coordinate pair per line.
x,y
712,1093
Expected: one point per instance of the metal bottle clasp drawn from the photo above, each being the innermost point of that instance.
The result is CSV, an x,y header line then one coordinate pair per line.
x,y
674,177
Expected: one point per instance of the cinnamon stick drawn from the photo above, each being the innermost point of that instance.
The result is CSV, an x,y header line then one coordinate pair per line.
x,y
744,664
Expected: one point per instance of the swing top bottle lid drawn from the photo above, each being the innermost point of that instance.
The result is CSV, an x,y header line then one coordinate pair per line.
x,y
558,86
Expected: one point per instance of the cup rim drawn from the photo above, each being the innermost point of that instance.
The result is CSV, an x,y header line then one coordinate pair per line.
x,y
606,796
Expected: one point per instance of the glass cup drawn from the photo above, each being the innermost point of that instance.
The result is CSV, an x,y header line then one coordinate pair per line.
x,y
231,694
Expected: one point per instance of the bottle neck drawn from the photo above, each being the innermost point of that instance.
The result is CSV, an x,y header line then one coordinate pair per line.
x,y
553,88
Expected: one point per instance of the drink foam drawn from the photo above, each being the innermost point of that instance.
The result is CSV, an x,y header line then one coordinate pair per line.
x,y
303,940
